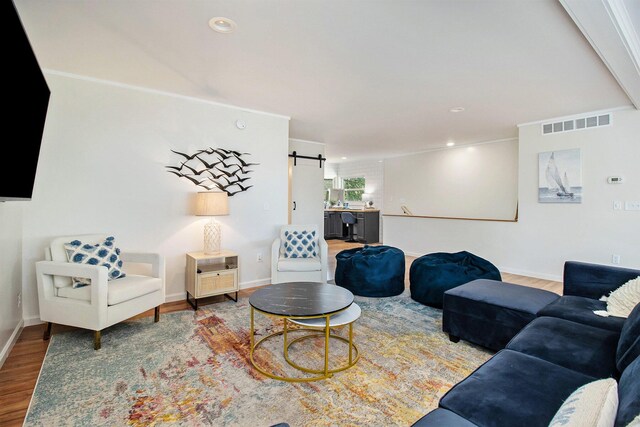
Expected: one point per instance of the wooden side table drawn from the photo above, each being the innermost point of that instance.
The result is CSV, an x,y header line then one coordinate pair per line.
x,y
211,274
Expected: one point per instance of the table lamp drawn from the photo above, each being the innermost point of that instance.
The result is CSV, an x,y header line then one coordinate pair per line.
x,y
212,204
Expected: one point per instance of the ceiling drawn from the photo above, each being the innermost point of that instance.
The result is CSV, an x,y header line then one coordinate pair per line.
x,y
370,79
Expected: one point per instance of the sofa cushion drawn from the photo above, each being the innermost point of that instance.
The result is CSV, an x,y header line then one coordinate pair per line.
x,y
513,389
442,418
593,280
580,310
592,405
120,290
491,313
582,348
299,264
629,344
629,394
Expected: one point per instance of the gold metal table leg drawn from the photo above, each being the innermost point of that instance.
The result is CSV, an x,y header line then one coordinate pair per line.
x,y
327,332
322,373
350,343
251,331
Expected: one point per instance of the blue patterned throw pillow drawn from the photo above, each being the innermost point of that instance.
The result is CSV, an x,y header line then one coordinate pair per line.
x,y
103,254
300,244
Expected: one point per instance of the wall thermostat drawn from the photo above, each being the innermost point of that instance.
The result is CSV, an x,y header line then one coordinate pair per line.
x,y
240,124
614,180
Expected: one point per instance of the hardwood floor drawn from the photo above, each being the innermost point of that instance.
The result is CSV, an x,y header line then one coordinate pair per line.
x,y
20,371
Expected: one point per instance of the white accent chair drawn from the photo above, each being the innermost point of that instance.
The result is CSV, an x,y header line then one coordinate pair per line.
x,y
298,269
101,304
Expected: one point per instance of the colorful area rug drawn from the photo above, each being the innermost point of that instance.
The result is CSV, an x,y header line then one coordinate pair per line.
x,y
194,369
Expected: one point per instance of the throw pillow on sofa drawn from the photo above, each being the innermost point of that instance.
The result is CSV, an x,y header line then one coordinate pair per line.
x,y
621,302
102,254
593,405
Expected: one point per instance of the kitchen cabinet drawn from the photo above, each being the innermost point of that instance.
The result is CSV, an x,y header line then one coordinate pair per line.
x,y
367,227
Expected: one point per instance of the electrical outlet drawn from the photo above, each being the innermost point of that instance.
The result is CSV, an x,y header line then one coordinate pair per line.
x,y
617,205
615,259
632,206
259,257
19,299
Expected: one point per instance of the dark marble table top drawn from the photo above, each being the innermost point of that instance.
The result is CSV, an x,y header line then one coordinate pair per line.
x,y
301,299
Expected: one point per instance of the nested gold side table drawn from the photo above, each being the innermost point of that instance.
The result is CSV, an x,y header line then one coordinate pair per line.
x,y
312,305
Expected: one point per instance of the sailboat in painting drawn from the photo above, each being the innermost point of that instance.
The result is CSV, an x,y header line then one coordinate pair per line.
x,y
556,183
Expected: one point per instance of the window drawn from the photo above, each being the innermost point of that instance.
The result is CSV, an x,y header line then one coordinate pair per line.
x,y
328,185
353,189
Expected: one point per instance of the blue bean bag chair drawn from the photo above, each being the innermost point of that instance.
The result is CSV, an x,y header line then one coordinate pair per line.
x,y
432,275
371,271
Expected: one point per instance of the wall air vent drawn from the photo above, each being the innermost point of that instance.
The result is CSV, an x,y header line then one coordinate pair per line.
x,y
577,124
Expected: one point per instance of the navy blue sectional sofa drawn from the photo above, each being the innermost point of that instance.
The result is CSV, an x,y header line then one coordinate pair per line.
x,y
564,348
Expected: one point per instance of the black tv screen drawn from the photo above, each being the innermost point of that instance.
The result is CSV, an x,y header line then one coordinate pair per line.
x,y
27,96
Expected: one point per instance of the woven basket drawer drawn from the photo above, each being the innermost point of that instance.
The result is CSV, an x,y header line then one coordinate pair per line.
x,y
216,282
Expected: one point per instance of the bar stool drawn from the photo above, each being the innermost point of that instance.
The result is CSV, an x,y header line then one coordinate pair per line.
x,y
349,219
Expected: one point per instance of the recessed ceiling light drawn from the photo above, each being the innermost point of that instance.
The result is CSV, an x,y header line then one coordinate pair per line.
x,y
222,25
343,158
457,109
450,144
379,161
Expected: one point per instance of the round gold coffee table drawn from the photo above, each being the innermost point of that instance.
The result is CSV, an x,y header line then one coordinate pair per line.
x,y
315,306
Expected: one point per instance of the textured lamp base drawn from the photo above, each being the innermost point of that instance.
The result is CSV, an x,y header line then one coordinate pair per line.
x,y
212,235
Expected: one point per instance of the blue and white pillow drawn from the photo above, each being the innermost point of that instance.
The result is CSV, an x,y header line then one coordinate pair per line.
x,y
103,254
300,244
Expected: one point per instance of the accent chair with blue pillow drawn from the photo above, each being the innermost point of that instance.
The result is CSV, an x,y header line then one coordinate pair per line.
x,y
299,254
82,283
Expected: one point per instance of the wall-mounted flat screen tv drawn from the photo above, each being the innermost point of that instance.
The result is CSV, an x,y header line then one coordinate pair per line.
x,y
26,97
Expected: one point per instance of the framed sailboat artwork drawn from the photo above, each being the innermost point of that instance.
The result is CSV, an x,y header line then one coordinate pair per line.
x,y
560,176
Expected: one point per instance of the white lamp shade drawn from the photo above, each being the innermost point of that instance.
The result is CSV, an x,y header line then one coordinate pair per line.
x,y
212,203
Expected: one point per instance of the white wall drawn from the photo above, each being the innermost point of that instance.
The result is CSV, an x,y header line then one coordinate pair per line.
x,y
548,234
10,275
479,181
102,169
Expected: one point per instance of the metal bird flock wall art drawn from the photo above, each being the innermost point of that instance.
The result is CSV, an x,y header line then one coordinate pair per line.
x,y
213,168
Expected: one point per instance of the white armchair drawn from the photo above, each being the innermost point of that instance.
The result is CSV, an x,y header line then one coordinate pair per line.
x,y
101,304
298,269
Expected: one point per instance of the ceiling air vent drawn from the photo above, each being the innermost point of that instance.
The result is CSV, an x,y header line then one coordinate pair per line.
x,y
577,124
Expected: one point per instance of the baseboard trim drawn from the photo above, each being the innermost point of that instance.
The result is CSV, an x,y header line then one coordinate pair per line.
x,y
534,274
32,321
181,296
12,341
413,254
255,283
